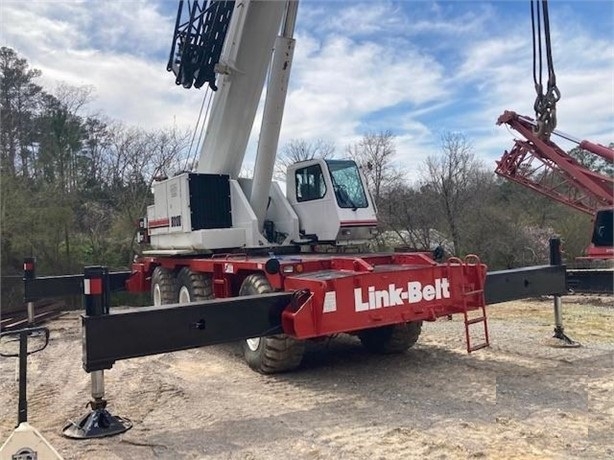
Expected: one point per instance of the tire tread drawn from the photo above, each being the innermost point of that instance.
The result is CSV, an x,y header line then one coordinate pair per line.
x,y
165,279
200,284
277,353
391,339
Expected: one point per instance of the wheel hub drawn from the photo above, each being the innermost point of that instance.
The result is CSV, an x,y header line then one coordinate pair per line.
x,y
184,295
253,343
157,296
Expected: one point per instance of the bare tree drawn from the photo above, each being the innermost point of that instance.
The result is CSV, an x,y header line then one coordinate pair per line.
x,y
301,150
135,158
375,154
455,176
407,214
74,98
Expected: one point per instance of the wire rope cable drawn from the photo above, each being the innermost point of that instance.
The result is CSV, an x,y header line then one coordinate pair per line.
x,y
545,102
196,126
202,129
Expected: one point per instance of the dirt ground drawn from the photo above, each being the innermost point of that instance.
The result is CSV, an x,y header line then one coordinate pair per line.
x,y
521,398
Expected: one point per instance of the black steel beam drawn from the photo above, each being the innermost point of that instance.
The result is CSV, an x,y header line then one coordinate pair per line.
x,y
522,283
152,330
591,281
45,287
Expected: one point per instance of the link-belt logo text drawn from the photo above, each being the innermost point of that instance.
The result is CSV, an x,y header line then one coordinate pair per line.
x,y
414,292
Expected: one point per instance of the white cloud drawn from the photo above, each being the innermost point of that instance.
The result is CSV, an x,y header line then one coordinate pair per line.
x,y
501,72
420,68
33,30
362,19
339,81
148,31
108,47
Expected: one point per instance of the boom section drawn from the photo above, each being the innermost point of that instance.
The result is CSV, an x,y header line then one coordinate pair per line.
x,y
544,167
242,69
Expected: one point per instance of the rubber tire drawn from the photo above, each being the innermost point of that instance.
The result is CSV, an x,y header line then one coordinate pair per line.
x,y
198,286
391,339
163,280
276,353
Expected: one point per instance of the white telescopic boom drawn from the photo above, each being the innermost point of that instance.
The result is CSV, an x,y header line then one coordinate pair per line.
x,y
277,88
245,59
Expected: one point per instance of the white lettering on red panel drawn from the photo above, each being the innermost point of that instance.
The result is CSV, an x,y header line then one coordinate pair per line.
x,y
395,296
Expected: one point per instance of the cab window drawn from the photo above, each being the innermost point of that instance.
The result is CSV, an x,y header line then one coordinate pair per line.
x,y
310,183
603,232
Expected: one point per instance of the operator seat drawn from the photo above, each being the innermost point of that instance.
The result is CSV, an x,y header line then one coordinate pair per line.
x,y
307,192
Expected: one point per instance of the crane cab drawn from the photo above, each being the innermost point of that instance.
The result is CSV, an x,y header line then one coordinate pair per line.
x,y
331,201
327,201
602,242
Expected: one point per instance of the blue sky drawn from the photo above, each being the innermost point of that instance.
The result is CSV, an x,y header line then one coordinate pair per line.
x,y
418,68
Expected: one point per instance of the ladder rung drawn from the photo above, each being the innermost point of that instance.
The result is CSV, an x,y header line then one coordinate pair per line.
x,y
470,293
478,347
481,319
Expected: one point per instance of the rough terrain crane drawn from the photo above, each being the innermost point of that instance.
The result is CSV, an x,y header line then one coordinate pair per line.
x,y
236,259
214,235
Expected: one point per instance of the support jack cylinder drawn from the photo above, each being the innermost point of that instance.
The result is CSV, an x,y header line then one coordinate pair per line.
x,y
99,422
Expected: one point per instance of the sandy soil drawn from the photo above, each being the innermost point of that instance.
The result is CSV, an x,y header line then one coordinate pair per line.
x,y
521,398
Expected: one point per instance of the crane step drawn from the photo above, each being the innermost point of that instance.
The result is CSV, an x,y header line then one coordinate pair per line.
x,y
481,319
477,320
478,347
472,291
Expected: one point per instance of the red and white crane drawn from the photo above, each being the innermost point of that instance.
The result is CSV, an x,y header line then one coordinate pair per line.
x,y
215,235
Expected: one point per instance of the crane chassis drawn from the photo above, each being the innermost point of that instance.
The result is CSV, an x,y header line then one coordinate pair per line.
x,y
376,292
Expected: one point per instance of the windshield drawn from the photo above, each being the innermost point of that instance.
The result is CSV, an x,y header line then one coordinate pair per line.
x,y
349,191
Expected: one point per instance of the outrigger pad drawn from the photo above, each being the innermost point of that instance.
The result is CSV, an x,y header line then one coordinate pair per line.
x,y
561,340
98,423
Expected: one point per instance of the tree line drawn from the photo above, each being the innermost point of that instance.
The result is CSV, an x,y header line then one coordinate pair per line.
x,y
457,203
73,184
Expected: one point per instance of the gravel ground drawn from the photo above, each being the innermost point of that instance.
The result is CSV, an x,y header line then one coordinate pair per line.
x,y
520,398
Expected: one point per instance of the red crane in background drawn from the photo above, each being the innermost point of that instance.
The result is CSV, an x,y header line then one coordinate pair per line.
x,y
539,164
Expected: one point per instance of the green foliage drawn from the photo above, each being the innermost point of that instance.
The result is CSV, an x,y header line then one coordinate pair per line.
x,y
72,186
592,161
